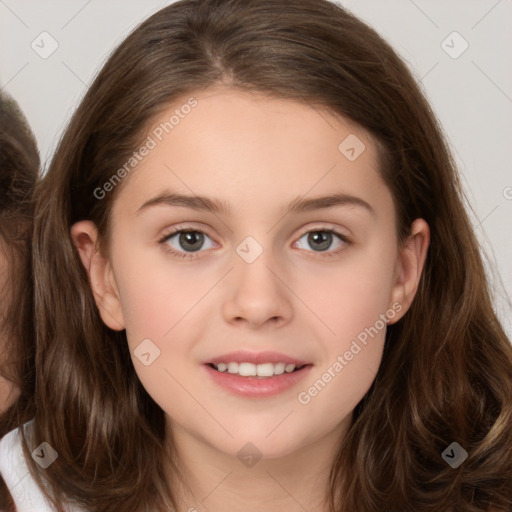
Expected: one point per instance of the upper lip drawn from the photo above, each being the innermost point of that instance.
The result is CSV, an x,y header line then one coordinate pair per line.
x,y
245,356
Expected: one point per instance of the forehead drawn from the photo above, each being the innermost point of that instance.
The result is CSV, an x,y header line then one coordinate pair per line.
x,y
250,147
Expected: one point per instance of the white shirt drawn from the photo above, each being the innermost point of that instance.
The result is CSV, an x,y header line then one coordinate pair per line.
x,y
24,490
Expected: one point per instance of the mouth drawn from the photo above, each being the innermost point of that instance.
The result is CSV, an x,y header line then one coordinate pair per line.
x,y
251,380
258,371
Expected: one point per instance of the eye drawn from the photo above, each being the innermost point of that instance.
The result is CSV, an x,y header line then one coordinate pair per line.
x,y
322,239
182,242
187,241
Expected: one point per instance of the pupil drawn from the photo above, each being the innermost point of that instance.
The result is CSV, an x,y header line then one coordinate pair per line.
x,y
191,238
320,236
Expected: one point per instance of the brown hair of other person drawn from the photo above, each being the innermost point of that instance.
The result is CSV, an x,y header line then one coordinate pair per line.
x,y
19,164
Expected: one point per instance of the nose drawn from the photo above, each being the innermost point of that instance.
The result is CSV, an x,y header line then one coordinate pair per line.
x,y
258,293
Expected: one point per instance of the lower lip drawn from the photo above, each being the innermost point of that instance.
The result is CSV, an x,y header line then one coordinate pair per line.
x,y
254,387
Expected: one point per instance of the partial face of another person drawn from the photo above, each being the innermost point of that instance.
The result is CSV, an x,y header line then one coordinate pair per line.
x,y
19,163
7,391
270,273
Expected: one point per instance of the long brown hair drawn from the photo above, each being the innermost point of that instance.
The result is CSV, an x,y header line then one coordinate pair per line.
x,y
446,372
19,164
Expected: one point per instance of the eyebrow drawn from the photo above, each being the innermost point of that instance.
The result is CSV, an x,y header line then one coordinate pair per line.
x,y
213,205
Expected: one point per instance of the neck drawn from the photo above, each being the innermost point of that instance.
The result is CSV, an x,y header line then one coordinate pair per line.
x,y
216,481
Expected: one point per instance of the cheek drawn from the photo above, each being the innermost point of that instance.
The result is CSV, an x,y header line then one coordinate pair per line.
x,y
351,294
4,272
352,302
5,296
163,305
160,303
156,295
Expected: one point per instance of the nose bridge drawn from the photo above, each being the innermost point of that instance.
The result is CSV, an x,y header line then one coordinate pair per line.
x,y
258,294
255,263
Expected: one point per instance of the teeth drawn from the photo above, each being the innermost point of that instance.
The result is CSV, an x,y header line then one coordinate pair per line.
x,y
264,370
279,368
256,370
232,367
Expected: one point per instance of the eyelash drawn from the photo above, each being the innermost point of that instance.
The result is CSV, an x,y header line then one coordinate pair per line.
x,y
186,255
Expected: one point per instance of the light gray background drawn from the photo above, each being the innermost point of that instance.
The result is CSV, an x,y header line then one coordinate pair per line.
x,y
471,94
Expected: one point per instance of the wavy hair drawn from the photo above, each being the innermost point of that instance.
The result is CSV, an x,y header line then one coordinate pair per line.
x,y
19,165
446,371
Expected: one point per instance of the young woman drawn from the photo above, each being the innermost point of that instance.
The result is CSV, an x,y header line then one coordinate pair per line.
x,y
257,287
19,164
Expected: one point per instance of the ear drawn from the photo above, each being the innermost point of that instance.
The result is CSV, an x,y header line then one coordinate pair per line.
x,y
101,277
411,260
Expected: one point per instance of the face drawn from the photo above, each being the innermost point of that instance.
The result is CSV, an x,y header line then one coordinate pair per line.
x,y
271,274
7,391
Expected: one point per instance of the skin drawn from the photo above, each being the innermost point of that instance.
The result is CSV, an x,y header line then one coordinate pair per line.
x,y
257,154
8,392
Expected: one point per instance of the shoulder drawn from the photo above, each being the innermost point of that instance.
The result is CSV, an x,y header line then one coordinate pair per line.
x,y
24,490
